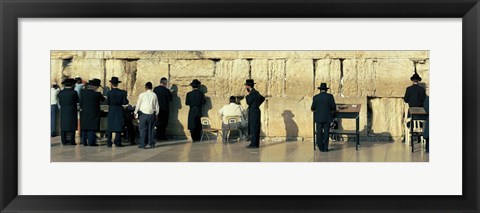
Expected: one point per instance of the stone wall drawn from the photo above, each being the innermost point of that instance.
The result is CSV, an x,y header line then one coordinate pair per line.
x,y
374,79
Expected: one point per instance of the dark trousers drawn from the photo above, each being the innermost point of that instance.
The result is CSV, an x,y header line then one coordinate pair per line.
x,y
254,125
162,123
89,137
145,126
427,140
322,129
196,131
68,137
53,120
196,134
118,138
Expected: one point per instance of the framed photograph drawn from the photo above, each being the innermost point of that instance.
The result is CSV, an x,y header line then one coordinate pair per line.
x,y
312,106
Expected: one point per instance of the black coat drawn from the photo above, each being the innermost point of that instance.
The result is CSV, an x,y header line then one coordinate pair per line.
x,y
426,131
324,107
164,97
90,106
415,96
195,99
115,99
254,100
68,99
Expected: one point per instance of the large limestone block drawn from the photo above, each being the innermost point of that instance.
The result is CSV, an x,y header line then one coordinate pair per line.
x,y
392,76
220,54
56,71
358,78
62,54
116,68
87,69
290,117
94,54
173,54
328,71
192,68
299,77
148,70
129,54
387,116
230,77
423,69
424,54
182,86
276,78
264,54
259,72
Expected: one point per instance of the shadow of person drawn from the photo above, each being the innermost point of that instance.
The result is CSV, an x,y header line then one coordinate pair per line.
x,y
291,127
208,101
207,107
175,128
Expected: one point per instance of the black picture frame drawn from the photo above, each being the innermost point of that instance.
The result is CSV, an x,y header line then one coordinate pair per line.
x,y
12,10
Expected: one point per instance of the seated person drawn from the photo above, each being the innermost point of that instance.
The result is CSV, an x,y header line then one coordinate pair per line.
x,y
233,109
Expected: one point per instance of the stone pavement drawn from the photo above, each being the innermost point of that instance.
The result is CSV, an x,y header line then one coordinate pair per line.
x,y
209,151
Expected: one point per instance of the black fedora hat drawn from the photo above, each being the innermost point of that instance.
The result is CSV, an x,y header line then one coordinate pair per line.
x,y
115,80
68,81
249,82
195,83
415,76
323,86
95,82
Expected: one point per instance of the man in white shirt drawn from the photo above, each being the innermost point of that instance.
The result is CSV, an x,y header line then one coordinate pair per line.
x,y
233,109
146,111
54,109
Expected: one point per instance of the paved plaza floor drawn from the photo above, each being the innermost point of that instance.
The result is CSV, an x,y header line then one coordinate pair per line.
x,y
233,151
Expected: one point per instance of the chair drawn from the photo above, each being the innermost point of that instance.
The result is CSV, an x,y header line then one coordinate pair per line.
x,y
207,128
233,125
417,127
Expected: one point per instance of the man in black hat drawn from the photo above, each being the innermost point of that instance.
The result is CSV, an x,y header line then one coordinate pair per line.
x,y
68,99
116,98
90,112
164,97
195,99
254,100
415,94
323,107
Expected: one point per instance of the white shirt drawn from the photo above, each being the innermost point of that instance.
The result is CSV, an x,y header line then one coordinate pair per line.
x,y
54,96
231,109
147,103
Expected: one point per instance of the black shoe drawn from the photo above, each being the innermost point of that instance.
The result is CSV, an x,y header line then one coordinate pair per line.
x,y
94,144
85,144
73,144
119,145
141,147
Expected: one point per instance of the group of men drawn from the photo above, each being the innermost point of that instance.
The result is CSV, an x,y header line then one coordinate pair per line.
x,y
152,109
324,109
81,100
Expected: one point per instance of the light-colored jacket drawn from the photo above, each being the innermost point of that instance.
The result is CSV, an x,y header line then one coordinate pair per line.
x,y
231,109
